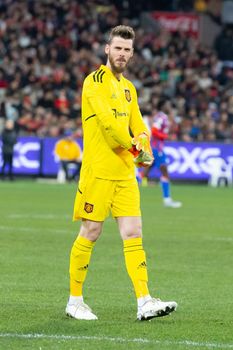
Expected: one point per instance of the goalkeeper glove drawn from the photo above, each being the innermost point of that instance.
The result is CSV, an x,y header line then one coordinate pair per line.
x,y
141,150
143,159
142,143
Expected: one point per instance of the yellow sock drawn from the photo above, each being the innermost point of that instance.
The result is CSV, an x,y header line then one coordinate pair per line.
x,y
79,261
135,260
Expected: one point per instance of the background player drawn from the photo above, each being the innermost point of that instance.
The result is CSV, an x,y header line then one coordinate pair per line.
x,y
107,179
9,139
159,124
69,153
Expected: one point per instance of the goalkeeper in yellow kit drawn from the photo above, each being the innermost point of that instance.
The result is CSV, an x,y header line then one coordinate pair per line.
x,y
115,140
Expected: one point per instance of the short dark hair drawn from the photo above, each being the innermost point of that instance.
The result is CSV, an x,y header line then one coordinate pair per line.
x,y
122,31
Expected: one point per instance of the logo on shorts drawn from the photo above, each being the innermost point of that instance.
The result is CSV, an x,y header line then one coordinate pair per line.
x,y
88,208
127,95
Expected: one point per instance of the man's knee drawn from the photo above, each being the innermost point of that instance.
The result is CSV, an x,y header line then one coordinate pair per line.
x,y
91,230
130,227
133,232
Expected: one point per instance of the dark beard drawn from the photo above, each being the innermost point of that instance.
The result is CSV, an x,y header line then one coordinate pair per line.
x,y
114,68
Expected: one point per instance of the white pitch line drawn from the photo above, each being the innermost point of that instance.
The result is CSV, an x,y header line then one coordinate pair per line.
x,y
223,239
31,229
118,339
39,216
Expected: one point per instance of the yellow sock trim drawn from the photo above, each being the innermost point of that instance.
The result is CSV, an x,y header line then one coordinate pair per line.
x,y
79,261
135,260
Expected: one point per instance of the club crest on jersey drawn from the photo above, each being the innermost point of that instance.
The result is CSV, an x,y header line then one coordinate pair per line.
x,y
127,95
88,207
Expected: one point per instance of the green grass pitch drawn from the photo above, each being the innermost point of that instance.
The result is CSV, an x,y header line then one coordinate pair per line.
x,y
189,256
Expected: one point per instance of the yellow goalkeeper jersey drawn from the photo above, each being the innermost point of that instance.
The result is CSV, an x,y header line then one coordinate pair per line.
x,y
110,115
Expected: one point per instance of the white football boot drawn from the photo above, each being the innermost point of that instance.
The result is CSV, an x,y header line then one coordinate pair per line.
x,y
170,203
155,308
80,311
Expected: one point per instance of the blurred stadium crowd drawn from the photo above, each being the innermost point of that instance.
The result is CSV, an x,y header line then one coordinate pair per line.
x,y
47,48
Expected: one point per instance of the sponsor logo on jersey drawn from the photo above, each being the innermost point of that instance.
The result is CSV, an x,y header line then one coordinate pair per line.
x,y
119,114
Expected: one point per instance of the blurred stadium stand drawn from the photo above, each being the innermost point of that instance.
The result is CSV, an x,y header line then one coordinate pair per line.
x,y
47,48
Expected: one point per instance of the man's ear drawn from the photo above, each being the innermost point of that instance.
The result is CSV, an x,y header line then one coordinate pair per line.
x,y
106,50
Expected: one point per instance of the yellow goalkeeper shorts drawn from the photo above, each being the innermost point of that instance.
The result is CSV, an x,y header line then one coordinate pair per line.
x,y
96,197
